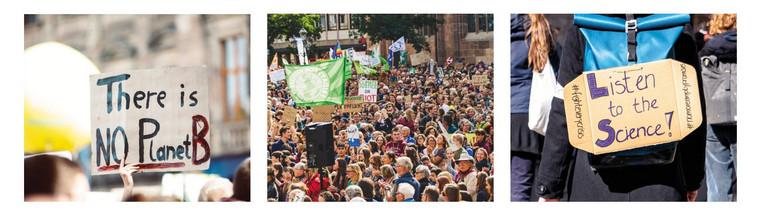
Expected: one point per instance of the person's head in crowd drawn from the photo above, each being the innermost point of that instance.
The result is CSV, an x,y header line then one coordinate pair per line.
x,y
53,178
299,170
441,141
430,142
389,158
462,186
340,168
489,187
241,186
278,170
396,135
425,160
341,149
431,130
353,191
380,140
465,125
720,23
465,162
368,188
285,133
269,162
326,196
480,135
362,167
441,182
481,154
465,196
354,173
276,156
434,171
422,172
288,174
430,194
270,175
409,113
420,139
215,190
403,165
387,172
458,140
375,161
411,152
365,154
405,192
451,193
378,116
405,131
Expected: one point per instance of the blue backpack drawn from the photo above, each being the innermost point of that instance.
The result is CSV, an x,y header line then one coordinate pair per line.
x,y
613,42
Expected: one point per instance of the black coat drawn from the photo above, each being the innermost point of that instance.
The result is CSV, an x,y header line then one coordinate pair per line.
x,y
565,168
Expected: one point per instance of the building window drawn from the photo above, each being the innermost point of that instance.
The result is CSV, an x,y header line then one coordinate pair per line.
x,y
332,22
343,22
480,23
323,22
235,72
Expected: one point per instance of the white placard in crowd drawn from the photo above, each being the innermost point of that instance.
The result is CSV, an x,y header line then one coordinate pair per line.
x,y
368,90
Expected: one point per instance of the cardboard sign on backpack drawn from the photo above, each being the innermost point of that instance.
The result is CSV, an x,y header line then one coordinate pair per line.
x,y
630,107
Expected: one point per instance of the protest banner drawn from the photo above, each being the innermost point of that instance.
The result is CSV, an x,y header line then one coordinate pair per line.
x,y
157,119
419,58
631,107
322,113
289,115
479,80
353,104
368,90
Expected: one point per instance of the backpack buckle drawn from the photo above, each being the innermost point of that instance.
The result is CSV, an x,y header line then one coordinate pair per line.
x,y
631,26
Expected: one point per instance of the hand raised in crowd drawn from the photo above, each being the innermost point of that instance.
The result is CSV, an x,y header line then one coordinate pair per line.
x,y
542,199
692,196
126,171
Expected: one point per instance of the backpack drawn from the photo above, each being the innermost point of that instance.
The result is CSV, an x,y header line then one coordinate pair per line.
x,y
719,85
613,42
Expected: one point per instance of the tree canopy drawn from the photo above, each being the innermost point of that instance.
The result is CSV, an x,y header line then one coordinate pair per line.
x,y
392,26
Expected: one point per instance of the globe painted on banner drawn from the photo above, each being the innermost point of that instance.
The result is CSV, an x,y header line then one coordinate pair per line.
x,y
310,83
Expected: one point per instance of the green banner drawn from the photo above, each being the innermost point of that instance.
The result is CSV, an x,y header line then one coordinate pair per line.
x,y
320,83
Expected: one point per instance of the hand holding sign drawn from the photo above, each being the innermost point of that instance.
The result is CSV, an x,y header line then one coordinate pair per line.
x,y
631,107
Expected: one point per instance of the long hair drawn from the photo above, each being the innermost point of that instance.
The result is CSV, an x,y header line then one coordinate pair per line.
x,y
541,42
720,23
339,181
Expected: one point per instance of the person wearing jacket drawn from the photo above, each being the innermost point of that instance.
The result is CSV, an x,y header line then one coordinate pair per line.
x,y
531,50
466,173
566,173
718,61
403,170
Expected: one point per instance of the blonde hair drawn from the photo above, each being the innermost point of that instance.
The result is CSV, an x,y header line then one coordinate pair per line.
x,y
357,170
540,42
720,23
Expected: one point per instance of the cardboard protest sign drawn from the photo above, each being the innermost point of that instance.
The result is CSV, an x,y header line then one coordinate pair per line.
x,y
353,104
634,106
419,58
368,90
157,119
289,115
479,80
322,113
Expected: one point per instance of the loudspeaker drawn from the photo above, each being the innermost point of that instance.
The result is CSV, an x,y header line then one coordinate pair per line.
x,y
319,144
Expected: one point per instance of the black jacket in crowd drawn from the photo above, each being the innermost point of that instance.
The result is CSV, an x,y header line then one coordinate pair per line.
x,y
566,168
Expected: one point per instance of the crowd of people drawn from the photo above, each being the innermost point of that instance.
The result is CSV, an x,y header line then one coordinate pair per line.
x,y
428,137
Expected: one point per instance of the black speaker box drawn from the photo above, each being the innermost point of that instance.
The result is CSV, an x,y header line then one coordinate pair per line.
x,y
319,144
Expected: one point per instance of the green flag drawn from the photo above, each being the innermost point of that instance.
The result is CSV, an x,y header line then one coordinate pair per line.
x,y
403,57
384,62
320,83
361,69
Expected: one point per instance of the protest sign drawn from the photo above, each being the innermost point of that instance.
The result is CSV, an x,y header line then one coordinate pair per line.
x,y
157,119
633,106
353,104
419,58
322,113
479,80
368,90
289,115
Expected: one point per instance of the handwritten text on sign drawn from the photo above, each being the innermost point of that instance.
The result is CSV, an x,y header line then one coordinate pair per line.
x,y
368,90
634,106
157,119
